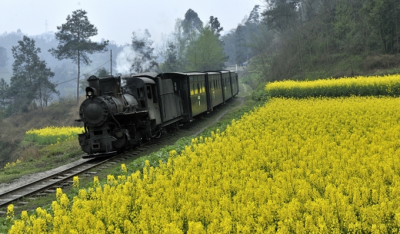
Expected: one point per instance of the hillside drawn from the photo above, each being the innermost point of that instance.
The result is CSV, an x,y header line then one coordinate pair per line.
x,y
12,129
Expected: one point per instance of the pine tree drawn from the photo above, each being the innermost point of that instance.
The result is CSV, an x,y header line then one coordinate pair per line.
x,y
30,75
74,42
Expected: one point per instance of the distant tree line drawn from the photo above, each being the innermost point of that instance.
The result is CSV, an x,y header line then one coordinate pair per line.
x,y
299,39
239,42
194,46
348,33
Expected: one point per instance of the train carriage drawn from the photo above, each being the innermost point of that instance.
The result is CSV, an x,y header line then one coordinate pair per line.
x,y
192,88
157,94
234,82
198,96
226,84
215,86
171,108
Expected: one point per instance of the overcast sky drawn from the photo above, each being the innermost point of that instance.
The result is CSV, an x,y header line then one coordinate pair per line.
x,y
116,20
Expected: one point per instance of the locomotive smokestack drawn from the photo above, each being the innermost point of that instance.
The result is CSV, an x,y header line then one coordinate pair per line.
x,y
94,84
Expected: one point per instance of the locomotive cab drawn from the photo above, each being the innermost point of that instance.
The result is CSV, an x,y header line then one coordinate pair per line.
x,y
144,89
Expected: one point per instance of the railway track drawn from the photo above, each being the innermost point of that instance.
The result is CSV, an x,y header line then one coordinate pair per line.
x,y
62,176
48,184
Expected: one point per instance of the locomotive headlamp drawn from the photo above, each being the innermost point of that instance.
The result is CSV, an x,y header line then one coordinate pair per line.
x,y
90,92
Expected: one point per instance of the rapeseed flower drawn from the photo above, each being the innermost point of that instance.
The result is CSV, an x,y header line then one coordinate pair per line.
x,y
52,135
293,165
358,86
75,181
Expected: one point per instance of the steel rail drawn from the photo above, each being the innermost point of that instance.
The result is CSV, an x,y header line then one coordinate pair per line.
x,y
48,181
66,174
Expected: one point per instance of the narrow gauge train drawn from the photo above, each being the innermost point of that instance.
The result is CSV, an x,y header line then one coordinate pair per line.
x,y
117,116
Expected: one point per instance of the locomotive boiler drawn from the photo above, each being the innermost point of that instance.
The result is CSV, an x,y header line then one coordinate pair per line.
x,y
102,113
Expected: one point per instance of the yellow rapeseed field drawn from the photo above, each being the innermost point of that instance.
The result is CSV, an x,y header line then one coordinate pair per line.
x,y
12,164
358,86
52,135
291,166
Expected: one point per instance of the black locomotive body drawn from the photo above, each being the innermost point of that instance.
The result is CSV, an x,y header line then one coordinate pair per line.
x,y
117,116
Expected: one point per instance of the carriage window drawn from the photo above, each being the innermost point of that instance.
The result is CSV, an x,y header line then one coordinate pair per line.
x,y
198,88
153,90
140,92
191,90
148,90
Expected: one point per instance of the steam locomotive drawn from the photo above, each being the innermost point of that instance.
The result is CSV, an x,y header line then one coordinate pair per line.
x,y
123,111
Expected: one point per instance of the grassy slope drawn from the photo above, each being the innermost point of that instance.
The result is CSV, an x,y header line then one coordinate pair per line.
x,y
343,65
12,132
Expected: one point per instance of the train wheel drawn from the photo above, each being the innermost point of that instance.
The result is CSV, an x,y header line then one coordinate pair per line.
x,y
158,134
120,143
147,137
